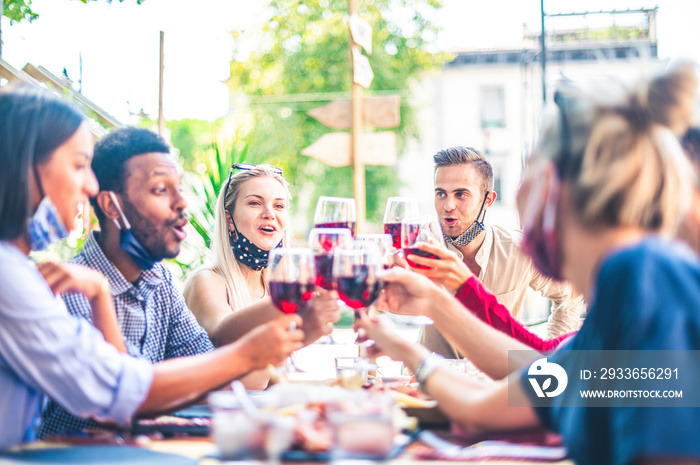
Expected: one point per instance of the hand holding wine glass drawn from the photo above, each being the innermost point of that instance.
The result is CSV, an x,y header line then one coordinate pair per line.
x,y
335,212
447,270
292,280
398,209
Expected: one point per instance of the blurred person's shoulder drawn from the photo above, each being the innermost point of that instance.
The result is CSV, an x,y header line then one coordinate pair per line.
x,y
654,259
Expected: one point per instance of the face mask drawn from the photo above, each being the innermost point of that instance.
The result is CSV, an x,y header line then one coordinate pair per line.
x,y
473,231
45,226
248,253
540,241
129,242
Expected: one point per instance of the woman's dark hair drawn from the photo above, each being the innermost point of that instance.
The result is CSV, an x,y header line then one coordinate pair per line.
x,y
33,124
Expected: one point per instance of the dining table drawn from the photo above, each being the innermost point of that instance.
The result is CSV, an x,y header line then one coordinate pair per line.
x,y
189,443
192,451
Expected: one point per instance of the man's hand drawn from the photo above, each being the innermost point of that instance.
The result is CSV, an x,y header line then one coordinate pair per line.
x,y
448,270
399,260
406,293
69,277
387,340
319,315
272,342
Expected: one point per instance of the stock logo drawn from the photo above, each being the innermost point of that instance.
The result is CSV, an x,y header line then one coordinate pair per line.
x,y
542,374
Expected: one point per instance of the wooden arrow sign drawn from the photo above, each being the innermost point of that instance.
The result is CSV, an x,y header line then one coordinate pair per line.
x,y
333,149
381,112
361,32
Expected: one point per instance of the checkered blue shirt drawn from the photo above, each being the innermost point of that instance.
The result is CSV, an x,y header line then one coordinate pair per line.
x,y
154,319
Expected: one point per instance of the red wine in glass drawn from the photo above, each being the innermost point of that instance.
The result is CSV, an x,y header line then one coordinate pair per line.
x,y
323,241
359,290
335,212
398,209
338,224
289,297
420,253
324,270
394,230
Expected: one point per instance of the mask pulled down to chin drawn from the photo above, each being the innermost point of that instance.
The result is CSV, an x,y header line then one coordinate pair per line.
x,y
45,226
130,244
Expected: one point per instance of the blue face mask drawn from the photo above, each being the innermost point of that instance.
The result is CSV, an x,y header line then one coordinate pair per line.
x,y
129,242
45,226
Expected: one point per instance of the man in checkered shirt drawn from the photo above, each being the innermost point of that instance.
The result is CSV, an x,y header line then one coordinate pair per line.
x,y
139,180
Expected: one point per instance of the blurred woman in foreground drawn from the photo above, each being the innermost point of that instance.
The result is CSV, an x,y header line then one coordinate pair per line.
x,y
45,153
608,182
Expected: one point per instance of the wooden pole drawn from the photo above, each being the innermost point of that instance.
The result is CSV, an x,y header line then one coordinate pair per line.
x,y
2,12
161,118
357,117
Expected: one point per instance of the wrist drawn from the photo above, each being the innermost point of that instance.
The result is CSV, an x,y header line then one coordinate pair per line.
x,y
440,300
427,367
103,289
242,358
414,358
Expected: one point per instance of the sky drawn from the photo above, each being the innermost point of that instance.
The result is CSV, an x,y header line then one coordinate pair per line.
x,y
119,43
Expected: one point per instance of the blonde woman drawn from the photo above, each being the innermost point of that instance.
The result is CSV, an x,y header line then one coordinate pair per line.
x,y
608,185
230,292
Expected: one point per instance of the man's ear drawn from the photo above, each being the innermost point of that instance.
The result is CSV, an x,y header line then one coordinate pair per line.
x,y
106,204
490,199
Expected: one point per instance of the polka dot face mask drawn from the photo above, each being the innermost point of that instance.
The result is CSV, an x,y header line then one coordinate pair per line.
x,y
248,253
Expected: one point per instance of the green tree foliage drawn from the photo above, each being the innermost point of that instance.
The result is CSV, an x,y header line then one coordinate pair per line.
x,y
301,55
192,137
21,10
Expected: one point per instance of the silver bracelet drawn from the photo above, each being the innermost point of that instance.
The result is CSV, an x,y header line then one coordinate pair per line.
x,y
426,367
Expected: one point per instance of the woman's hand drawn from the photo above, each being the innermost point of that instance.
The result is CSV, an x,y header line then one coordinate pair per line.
x,y
272,342
319,315
69,277
407,293
448,270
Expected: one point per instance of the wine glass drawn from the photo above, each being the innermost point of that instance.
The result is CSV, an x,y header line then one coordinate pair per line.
x,y
383,242
356,271
323,241
335,212
292,280
397,209
415,230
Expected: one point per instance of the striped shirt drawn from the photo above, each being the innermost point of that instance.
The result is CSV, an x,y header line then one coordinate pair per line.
x,y
154,319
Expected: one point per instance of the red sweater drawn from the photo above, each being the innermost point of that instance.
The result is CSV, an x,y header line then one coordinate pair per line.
x,y
480,301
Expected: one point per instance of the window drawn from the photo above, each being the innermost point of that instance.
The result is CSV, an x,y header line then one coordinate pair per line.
x,y
497,161
493,107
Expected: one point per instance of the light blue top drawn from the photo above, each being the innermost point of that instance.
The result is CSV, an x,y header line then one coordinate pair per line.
x,y
43,350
